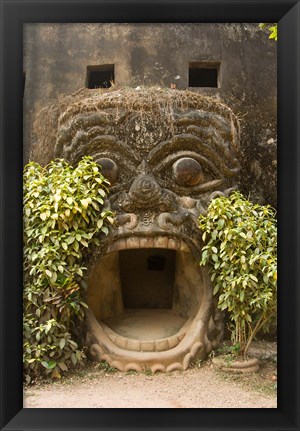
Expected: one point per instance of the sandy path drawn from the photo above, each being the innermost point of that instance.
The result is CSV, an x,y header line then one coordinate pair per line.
x,y
195,388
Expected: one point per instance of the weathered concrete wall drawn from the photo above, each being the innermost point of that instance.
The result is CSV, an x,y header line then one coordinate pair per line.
x,y
56,57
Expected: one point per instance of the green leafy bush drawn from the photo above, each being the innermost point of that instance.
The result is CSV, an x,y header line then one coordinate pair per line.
x,y
62,217
241,248
272,28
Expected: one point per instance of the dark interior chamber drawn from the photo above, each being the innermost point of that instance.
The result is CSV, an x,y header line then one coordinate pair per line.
x,y
147,278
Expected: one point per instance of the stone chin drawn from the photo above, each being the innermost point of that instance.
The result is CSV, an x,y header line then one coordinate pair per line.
x,y
150,303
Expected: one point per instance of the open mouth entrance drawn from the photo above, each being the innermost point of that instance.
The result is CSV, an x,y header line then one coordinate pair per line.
x,y
149,307
147,283
145,298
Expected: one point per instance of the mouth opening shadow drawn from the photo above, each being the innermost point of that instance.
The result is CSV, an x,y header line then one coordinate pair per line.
x,y
145,293
147,283
147,278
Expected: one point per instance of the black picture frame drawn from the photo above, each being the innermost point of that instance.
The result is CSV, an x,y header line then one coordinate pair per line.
x,y
13,15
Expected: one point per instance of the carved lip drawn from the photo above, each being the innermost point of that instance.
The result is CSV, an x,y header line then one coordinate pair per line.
x,y
140,240
157,345
175,357
175,350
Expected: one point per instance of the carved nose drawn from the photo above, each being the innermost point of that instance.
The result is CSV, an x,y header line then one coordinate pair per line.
x,y
145,192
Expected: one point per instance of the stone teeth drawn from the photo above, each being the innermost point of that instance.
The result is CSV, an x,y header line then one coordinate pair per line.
x,y
173,341
161,242
144,242
121,244
173,244
162,345
133,345
181,335
133,242
147,346
150,242
121,342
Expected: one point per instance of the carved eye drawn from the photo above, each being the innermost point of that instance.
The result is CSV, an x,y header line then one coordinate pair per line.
x,y
187,172
109,169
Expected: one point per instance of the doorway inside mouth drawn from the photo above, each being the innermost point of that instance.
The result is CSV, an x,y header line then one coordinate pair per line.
x,y
147,278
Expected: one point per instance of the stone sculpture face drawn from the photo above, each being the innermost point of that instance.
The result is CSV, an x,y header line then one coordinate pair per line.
x,y
167,154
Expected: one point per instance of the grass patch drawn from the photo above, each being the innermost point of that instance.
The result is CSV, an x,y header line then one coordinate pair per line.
x,y
104,366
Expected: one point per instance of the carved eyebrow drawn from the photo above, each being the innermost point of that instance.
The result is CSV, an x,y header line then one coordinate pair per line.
x,y
84,143
84,130
212,124
83,121
67,141
188,142
79,123
228,128
204,118
91,133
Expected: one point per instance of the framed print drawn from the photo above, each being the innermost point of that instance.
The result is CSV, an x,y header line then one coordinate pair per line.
x,y
178,103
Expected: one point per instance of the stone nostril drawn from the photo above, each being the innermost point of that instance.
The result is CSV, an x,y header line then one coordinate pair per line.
x,y
144,184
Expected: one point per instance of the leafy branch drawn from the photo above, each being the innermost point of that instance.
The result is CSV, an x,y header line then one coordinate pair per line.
x,y
63,216
272,28
241,248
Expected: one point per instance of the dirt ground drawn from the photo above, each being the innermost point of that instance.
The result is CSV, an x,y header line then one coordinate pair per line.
x,y
202,386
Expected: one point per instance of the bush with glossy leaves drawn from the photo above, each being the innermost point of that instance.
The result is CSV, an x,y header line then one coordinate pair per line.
x,y
63,216
241,249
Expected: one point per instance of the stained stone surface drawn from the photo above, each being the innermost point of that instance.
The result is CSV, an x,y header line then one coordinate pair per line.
x,y
168,153
57,57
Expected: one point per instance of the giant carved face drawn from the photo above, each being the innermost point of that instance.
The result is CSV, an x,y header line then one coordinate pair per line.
x,y
167,154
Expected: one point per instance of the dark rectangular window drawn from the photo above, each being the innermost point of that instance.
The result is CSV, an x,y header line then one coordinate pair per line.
x,y
204,75
100,76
